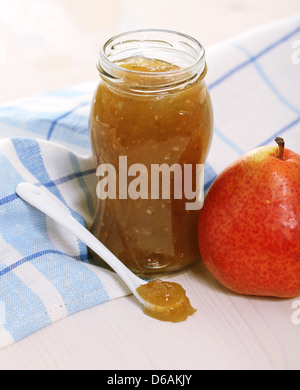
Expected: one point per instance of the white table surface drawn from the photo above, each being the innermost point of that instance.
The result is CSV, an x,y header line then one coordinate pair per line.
x,y
228,331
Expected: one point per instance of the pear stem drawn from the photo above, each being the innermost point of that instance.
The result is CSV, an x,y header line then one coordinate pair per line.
x,y
281,144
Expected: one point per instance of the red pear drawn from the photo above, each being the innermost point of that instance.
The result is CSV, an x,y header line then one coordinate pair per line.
x,y
249,227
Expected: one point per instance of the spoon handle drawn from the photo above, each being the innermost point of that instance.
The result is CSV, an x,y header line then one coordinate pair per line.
x,y
54,209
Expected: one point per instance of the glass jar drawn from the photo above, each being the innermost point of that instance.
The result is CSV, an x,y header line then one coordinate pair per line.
x,y
151,109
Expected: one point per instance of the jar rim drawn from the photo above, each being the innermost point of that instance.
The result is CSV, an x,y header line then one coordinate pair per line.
x,y
110,69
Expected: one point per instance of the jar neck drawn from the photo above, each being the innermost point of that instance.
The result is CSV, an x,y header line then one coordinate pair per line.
x,y
184,53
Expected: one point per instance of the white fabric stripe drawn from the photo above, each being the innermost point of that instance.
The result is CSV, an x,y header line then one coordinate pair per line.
x,y
35,281
27,272
58,167
6,129
113,284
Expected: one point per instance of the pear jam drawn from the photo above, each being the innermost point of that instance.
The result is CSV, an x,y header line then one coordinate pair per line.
x,y
148,111
167,301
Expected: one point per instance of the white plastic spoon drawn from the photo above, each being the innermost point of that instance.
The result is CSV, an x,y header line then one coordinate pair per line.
x,y
165,309
52,207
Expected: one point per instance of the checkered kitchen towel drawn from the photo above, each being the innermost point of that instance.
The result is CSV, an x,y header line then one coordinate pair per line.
x,y
45,272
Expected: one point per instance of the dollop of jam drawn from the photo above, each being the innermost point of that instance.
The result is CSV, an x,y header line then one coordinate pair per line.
x,y
167,301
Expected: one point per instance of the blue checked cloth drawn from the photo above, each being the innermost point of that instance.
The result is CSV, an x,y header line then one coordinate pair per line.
x,y
45,272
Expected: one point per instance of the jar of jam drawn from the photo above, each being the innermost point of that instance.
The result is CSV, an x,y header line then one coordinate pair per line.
x,y
151,109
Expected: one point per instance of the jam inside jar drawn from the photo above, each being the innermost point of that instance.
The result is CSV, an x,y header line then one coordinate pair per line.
x,y
151,108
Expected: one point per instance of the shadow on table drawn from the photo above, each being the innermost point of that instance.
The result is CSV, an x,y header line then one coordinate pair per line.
x,y
200,273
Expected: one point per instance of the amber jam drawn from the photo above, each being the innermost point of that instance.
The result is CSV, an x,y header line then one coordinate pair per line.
x,y
151,106
167,301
